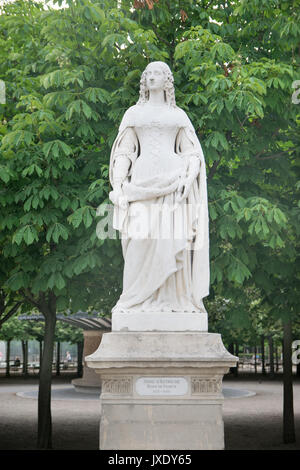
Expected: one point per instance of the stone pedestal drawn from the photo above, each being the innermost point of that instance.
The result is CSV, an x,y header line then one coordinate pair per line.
x,y
90,381
161,390
153,321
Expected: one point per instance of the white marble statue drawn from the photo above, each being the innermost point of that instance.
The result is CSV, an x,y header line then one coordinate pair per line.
x,y
158,176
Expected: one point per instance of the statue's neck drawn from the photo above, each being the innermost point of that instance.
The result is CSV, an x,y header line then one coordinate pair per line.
x,y
156,97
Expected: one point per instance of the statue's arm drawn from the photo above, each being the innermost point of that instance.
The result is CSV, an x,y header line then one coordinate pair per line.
x,y
187,147
121,165
123,157
188,151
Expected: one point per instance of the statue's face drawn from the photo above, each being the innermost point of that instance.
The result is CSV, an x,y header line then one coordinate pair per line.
x,y
155,78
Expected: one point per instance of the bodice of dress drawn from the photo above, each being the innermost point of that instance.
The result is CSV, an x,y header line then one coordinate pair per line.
x,y
153,140
157,153
156,137
156,140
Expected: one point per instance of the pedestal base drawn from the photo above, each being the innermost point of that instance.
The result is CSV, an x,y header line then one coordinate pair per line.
x,y
154,321
161,390
162,426
90,382
84,386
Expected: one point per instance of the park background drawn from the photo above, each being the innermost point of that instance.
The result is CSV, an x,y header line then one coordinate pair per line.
x,y
70,70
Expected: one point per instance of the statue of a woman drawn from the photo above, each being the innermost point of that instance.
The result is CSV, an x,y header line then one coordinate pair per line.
x,y
158,176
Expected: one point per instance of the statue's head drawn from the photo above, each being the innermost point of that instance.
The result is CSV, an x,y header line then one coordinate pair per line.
x,y
157,75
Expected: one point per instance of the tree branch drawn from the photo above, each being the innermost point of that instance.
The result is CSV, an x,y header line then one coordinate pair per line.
x,y
159,37
30,299
275,155
273,135
213,169
10,313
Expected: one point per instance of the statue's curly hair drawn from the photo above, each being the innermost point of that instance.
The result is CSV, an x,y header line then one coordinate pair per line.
x,y
169,90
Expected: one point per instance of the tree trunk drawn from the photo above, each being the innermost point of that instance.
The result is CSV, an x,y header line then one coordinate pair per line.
x,y
23,356
255,359
79,358
271,354
41,352
58,358
277,359
263,368
288,401
44,399
237,351
26,358
7,374
231,350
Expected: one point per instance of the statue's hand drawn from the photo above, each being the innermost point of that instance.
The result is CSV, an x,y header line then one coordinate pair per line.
x,y
118,198
123,202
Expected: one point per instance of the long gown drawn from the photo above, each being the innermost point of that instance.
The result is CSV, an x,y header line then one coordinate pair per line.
x,y
165,246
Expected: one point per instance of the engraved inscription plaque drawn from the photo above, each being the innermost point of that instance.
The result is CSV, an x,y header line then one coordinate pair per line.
x,y
161,386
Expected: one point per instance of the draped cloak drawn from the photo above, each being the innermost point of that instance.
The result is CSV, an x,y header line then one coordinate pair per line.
x,y
158,260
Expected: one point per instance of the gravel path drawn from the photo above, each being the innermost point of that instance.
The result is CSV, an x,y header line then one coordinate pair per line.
x,y
252,422
256,422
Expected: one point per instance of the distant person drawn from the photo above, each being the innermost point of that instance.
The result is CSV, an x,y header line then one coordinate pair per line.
x,y
17,362
68,357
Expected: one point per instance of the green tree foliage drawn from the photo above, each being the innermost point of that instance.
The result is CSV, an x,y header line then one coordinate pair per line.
x,y
57,156
68,333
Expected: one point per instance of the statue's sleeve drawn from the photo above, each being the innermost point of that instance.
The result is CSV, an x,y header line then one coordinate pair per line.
x,y
123,157
126,144
187,141
188,146
124,149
